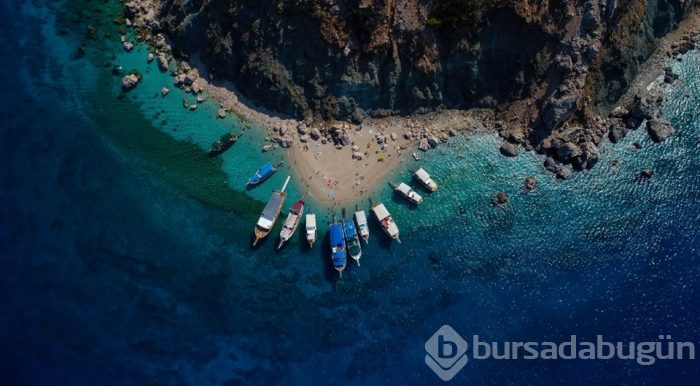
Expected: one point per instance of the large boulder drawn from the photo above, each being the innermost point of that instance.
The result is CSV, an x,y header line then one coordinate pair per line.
x,y
567,151
558,111
424,145
433,141
344,139
618,130
510,149
315,134
500,199
163,63
659,129
129,81
530,183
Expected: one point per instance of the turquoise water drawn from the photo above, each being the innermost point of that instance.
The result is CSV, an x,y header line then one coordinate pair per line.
x,y
126,258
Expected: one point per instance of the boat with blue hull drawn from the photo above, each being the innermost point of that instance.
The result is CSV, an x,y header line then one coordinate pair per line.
x,y
338,253
264,173
352,239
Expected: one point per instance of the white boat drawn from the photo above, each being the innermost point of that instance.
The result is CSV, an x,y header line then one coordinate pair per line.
x,y
386,221
424,178
270,214
311,229
362,226
292,222
406,192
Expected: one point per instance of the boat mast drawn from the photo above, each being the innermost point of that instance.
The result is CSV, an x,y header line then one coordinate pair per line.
x,y
285,184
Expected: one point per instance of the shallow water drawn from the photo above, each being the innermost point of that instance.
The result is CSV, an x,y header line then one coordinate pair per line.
x,y
126,258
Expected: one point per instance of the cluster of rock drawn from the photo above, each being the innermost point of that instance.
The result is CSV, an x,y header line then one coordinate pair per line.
x,y
645,109
689,41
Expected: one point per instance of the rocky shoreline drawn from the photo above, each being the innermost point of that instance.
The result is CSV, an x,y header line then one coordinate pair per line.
x,y
558,121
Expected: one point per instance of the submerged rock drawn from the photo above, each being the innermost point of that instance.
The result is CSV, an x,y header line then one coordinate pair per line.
x,y
646,173
659,129
500,199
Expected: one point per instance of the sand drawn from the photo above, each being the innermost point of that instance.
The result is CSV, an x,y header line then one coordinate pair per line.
x,y
330,173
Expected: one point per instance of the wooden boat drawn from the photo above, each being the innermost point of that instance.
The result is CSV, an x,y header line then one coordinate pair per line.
x,y
385,221
338,254
292,222
416,157
223,143
424,178
264,173
362,226
352,239
311,229
270,214
406,192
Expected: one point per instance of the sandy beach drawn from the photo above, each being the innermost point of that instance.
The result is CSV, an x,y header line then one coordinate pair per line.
x,y
335,173
341,161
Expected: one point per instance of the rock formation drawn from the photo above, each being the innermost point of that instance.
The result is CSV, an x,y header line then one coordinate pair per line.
x,y
550,68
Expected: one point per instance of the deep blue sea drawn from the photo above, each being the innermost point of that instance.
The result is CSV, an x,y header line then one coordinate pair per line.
x,y
125,252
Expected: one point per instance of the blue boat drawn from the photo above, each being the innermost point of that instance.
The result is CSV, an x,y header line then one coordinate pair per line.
x,y
264,173
338,248
352,239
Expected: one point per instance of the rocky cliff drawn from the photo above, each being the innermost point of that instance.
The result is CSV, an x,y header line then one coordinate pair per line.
x,y
550,63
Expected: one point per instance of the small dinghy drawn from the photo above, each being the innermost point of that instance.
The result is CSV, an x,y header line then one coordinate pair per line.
x,y
311,229
264,173
406,192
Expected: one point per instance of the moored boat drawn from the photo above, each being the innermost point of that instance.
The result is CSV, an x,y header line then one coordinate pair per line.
x,y
311,229
385,221
424,178
270,214
292,222
338,253
223,143
352,239
362,227
264,173
406,192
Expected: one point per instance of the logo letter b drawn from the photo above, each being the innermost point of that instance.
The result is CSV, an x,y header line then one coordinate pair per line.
x,y
441,348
